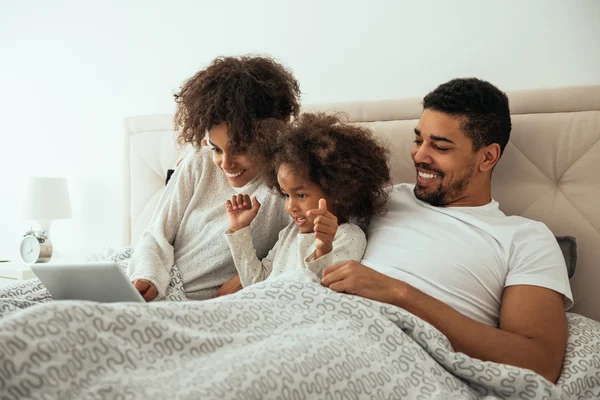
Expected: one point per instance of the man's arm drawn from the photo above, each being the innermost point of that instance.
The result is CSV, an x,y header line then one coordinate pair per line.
x,y
533,325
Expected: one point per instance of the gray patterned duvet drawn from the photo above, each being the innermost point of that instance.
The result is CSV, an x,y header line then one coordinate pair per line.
x,y
288,338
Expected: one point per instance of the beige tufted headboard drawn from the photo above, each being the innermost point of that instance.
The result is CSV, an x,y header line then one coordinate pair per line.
x,y
550,170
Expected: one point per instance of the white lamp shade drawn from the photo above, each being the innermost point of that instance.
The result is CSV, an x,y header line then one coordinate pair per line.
x,y
46,199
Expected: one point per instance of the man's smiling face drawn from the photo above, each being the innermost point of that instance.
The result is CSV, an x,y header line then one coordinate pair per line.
x,y
444,159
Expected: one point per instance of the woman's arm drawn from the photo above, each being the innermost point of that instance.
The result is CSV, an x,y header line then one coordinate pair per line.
x,y
153,256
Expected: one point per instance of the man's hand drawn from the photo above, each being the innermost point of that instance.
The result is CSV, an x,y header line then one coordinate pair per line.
x,y
354,278
241,211
325,228
146,289
231,286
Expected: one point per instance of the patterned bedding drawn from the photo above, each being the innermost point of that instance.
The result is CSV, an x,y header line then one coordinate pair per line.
x,y
288,338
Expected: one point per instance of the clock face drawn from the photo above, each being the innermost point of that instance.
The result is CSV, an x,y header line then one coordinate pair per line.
x,y
30,249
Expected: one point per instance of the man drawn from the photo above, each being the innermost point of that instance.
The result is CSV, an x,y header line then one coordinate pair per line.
x,y
495,285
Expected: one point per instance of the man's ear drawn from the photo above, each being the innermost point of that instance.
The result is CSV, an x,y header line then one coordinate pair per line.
x,y
489,157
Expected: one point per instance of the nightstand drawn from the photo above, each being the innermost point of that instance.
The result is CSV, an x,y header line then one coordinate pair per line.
x,y
13,272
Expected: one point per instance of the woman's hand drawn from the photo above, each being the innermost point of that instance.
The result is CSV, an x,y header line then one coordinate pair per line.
x,y
230,287
325,228
240,211
146,289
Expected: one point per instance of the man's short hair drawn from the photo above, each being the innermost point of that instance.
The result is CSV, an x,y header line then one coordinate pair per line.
x,y
484,106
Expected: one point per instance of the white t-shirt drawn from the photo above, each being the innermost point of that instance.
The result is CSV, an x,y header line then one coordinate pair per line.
x,y
464,256
293,250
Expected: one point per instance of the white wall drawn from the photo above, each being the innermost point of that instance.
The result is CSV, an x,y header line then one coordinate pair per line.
x,y
70,71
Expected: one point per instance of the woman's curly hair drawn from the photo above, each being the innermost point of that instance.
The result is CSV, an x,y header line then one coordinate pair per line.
x,y
242,91
345,160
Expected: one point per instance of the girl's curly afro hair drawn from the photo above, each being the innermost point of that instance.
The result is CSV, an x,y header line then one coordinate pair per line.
x,y
345,160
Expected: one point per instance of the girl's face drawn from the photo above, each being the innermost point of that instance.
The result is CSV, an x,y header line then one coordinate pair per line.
x,y
239,168
301,195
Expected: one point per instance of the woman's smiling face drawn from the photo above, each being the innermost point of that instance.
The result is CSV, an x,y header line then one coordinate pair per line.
x,y
239,168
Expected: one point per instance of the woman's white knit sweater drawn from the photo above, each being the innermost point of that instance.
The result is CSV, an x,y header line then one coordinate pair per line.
x,y
188,224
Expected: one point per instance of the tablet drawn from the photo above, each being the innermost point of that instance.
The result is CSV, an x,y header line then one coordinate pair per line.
x,y
103,282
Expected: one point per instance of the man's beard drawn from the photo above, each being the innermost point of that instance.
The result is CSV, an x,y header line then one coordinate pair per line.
x,y
442,196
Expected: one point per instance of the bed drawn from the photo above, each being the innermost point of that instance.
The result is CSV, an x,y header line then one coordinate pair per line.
x,y
292,338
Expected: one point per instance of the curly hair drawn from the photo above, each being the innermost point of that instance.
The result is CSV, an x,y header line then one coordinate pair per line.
x,y
484,106
345,160
242,91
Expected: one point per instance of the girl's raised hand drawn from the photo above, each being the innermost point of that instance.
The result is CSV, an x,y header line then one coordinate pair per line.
x,y
325,227
241,211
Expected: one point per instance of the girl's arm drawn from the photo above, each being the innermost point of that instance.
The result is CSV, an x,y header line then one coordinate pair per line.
x,y
349,244
250,268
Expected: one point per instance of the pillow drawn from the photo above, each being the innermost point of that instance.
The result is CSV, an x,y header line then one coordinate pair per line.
x,y
568,246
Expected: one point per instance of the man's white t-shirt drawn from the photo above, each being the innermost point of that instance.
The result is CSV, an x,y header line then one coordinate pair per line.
x,y
464,256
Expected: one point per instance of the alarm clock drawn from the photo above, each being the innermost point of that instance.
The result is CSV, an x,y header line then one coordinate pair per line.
x,y
35,248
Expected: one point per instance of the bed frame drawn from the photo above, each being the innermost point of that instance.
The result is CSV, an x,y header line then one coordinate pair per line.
x,y
550,170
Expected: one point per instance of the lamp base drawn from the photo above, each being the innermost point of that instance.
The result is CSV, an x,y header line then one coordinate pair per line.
x,y
43,236
44,227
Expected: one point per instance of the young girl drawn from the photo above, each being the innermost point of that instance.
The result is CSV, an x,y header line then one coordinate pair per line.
x,y
227,104
330,174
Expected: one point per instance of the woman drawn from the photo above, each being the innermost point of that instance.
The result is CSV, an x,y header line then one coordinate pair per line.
x,y
227,106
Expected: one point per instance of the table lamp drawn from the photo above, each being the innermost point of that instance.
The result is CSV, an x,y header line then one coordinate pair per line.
x,y
45,200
